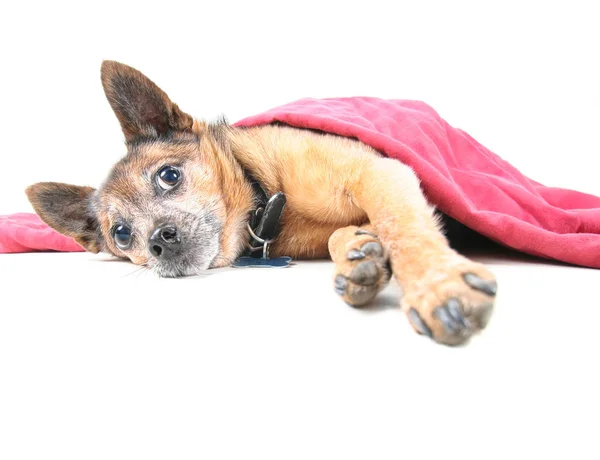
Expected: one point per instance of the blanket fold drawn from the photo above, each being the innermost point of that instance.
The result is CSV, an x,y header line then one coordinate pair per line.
x,y
459,176
26,232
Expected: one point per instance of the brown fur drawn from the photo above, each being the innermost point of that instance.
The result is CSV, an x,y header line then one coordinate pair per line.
x,y
333,185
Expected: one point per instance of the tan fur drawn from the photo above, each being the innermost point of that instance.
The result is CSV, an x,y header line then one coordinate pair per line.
x,y
316,172
331,183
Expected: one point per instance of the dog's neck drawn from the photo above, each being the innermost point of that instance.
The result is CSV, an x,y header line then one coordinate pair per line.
x,y
255,152
247,179
250,153
238,198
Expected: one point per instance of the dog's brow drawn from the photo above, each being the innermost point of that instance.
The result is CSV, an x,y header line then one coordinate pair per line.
x,y
114,215
169,161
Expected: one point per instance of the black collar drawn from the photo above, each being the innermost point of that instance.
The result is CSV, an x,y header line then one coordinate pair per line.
x,y
264,221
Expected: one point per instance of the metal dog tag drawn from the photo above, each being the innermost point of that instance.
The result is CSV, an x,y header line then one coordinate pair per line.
x,y
256,262
263,230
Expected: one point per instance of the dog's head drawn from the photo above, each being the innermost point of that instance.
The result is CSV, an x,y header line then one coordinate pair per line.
x,y
168,203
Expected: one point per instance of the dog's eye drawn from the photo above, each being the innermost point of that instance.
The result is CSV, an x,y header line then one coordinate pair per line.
x,y
122,236
168,177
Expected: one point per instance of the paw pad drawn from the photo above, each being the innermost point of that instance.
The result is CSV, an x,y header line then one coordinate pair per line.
x,y
365,273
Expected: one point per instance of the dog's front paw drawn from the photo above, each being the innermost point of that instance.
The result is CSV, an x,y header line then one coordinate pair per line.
x,y
451,305
364,271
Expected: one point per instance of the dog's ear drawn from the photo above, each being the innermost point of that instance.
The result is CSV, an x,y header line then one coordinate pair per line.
x,y
67,209
143,109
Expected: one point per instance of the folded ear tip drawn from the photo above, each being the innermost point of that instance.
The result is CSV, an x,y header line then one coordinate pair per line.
x,y
34,194
106,66
108,69
33,189
109,63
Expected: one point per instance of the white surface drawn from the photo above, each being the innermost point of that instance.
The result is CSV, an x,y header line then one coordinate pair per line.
x,y
100,362
519,76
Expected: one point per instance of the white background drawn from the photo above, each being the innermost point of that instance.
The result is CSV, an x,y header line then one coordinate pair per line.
x,y
521,77
98,363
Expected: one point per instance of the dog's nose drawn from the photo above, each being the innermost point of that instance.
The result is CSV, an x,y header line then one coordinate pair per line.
x,y
165,241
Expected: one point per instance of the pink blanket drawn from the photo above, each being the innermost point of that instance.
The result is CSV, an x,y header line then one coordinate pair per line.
x,y
25,232
460,176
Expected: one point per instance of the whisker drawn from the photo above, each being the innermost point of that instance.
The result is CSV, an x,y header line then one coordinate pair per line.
x,y
138,270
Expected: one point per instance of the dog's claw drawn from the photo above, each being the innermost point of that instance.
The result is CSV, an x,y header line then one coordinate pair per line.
x,y
355,254
448,322
479,284
340,284
372,249
418,323
364,232
451,317
455,311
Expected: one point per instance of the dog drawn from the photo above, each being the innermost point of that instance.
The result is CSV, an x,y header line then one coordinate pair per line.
x,y
182,200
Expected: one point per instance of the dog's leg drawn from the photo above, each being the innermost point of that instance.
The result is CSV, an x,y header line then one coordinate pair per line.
x,y
361,264
445,295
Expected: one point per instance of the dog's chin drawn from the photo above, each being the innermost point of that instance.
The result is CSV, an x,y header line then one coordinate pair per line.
x,y
176,270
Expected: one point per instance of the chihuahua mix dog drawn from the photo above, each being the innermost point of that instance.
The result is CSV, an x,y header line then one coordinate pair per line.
x,y
180,201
